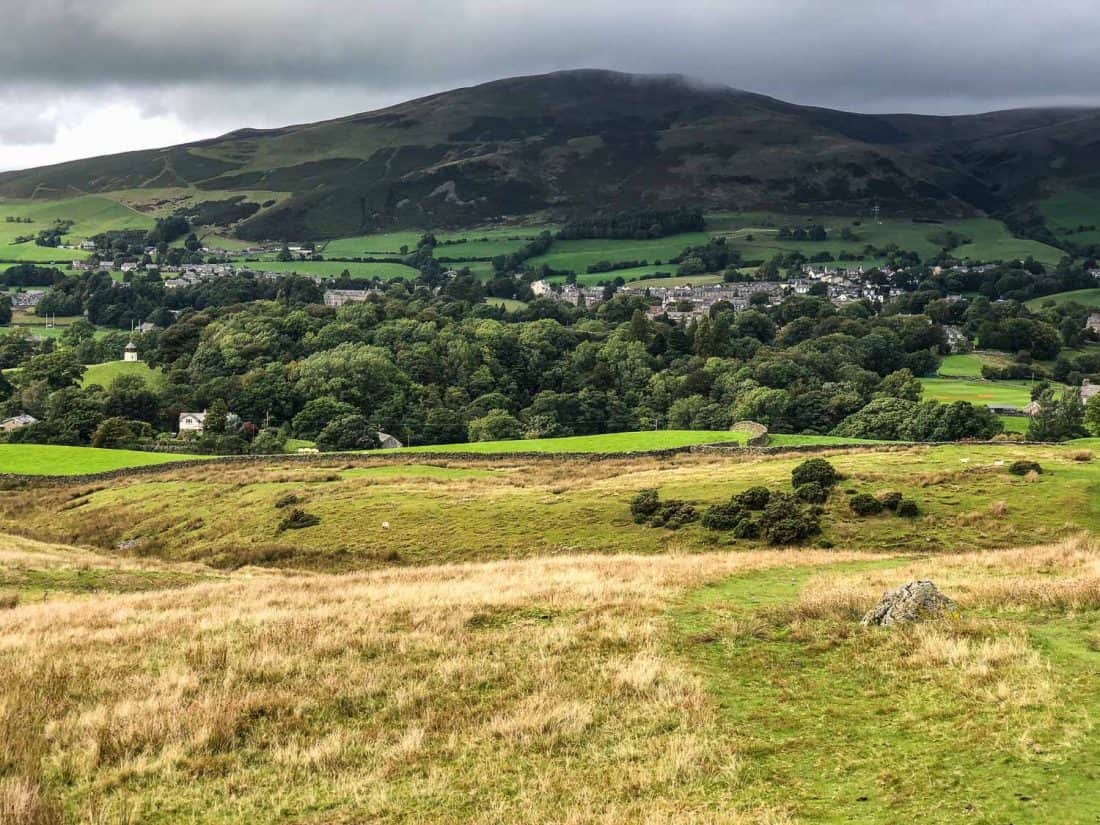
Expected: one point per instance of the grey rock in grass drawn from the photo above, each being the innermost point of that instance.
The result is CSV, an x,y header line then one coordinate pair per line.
x,y
912,602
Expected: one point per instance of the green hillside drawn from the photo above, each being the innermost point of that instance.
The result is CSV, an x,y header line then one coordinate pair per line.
x,y
554,145
104,374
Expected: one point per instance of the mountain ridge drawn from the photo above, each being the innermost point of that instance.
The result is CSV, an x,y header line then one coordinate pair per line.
x,y
588,139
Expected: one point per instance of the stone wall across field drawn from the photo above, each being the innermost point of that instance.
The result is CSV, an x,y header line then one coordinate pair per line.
x,y
339,460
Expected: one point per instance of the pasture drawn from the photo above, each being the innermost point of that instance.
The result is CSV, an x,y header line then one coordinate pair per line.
x,y
1000,393
333,269
91,214
495,640
103,374
629,442
55,460
1085,297
1073,216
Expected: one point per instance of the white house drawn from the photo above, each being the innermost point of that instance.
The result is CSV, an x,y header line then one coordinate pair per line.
x,y
192,422
17,422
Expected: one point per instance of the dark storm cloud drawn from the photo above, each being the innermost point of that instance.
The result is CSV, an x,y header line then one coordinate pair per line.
x,y
852,53
217,64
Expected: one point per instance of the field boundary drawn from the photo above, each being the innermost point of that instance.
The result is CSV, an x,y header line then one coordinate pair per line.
x,y
14,480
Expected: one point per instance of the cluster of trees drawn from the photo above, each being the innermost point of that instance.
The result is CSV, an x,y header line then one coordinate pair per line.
x,y
433,367
815,232
31,275
634,224
711,257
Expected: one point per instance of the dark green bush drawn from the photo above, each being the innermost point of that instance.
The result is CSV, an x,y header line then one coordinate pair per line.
x,y
644,505
746,528
890,500
297,519
812,493
786,521
816,469
673,515
723,516
1022,468
285,500
907,508
865,504
754,498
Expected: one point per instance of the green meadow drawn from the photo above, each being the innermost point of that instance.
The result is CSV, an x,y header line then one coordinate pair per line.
x,y
333,269
91,215
1013,393
103,374
1085,297
54,460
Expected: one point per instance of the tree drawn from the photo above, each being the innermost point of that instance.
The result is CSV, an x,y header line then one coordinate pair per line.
x,y
5,310
58,369
217,417
348,432
496,425
1061,417
1092,414
316,415
900,384
119,432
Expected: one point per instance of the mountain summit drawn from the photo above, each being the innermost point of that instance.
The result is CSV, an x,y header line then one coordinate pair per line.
x,y
582,140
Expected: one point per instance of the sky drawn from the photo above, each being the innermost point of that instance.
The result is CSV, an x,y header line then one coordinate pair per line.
x,y
87,77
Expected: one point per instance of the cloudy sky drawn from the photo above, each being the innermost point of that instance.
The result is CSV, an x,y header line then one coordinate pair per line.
x,y
87,77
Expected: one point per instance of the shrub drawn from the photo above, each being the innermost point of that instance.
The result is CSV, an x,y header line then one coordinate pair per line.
x,y
754,498
890,500
1081,455
298,519
673,515
812,493
723,516
285,500
907,508
1022,468
816,469
865,504
644,505
786,521
746,528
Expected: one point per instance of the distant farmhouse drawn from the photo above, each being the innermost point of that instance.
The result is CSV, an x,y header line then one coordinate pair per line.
x,y
192,422
1093,323
17,422
339,297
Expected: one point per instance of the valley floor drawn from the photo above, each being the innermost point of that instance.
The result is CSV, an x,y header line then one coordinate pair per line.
x,y
607,673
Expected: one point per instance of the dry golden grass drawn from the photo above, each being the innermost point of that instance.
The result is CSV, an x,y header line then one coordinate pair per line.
x,y
523,691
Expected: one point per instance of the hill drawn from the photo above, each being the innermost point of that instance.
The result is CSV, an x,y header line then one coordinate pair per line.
x,y
581,140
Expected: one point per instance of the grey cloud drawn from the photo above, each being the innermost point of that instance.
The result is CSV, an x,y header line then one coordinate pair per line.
x,y
216,65
857,53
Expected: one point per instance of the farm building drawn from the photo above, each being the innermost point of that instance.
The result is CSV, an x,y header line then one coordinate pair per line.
x,y
1092,324
339,297
17,422
388,442
192,422
1088,390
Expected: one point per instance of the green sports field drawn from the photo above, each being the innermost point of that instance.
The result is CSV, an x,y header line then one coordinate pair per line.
x,y
52,460
1007,393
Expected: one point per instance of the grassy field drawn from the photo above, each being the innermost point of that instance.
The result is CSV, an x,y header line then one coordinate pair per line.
x,y
969,365
1066,212
52,460
1007,393
607,443
526,653
91,214
104,374
1085,297
226,515
332,269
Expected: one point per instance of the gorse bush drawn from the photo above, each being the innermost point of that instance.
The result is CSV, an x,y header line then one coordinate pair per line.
x,y
787,521
1022,468
812,493
298,519
724,516
816,470
907,508
754,498
890,500
644,505
647,508
865,504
